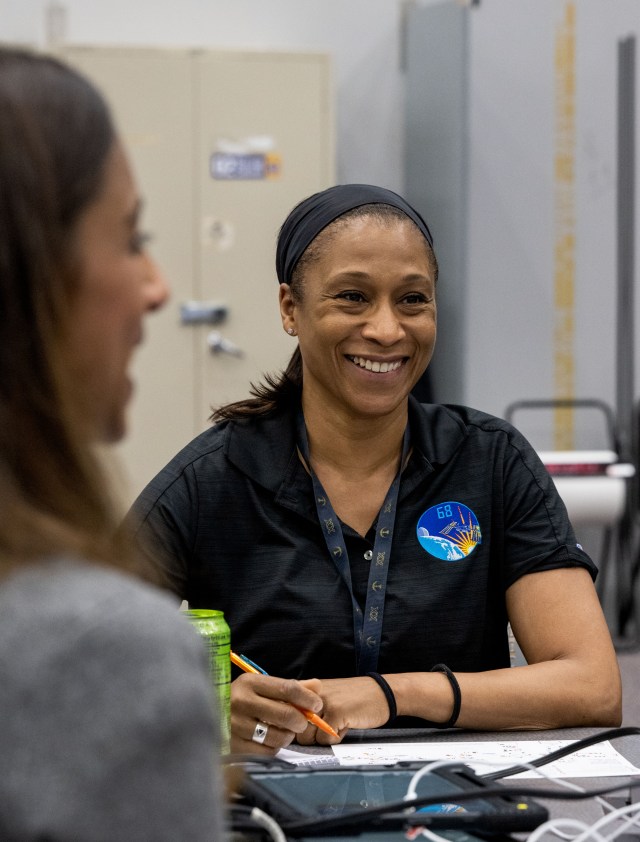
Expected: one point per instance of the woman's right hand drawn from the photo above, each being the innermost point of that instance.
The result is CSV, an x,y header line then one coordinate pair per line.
x,y
272,702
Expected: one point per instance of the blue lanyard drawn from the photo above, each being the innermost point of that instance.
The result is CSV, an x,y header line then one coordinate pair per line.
x,y
367,624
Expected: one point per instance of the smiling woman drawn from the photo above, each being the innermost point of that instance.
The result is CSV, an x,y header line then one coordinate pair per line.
x,y
363,307
369,549
365,316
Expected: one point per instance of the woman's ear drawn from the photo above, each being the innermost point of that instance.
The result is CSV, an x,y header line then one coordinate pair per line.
x,y
287,309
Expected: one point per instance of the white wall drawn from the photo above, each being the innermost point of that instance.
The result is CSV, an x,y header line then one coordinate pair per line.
x,y
362,36
509,330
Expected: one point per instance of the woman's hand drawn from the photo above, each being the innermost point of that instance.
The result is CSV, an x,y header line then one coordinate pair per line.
x,y
348,703
272,702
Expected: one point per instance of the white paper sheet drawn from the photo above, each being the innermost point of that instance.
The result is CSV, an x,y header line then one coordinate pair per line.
x,y
306,758
600,760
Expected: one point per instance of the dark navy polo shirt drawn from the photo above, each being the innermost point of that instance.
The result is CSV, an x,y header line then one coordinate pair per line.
x,y
232,520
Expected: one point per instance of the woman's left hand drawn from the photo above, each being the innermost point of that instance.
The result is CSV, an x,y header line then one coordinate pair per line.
x,y
348,703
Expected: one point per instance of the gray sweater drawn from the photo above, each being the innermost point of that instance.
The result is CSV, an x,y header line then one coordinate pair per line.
x,y
106,727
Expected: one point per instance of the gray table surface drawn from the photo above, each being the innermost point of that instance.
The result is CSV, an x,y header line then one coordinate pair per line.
x,y
588,811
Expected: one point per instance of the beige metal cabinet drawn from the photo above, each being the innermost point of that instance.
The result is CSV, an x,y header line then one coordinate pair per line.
x,y
224,144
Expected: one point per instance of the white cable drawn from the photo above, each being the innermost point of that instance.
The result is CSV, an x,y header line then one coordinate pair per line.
x,y
558,826
610,817
435,837
631,822
424,770
269,824
554,825
586,832
606,806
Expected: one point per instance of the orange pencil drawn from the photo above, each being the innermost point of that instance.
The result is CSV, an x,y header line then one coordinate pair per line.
x,y
248,666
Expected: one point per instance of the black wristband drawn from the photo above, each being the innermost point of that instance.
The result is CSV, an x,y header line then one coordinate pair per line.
x,y
457,697
388,694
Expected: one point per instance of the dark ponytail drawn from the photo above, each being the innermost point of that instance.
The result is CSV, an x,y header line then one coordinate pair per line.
x,y
275,392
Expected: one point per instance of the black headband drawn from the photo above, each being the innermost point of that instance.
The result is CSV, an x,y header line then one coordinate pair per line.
x,y
312,215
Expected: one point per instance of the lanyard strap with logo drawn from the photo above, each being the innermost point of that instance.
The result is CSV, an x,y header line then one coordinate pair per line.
x,y
367,625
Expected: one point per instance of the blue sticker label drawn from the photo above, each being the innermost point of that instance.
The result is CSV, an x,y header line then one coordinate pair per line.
x,y
414,832
441,808
449,531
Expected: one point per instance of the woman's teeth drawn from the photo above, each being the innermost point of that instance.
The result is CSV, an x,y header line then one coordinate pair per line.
x,y
374,365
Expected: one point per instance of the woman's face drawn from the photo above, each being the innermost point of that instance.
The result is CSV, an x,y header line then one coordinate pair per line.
x,y
118,285
366,321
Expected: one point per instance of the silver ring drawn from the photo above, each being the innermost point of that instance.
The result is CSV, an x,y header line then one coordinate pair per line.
x,y
260,733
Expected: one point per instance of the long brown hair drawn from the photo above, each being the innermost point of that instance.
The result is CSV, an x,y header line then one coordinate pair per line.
x,y
55,137
279,391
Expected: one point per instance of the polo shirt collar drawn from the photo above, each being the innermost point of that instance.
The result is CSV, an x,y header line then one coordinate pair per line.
x,y
436,431
264,448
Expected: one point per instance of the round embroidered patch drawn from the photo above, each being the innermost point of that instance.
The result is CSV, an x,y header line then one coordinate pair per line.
x,y
449,531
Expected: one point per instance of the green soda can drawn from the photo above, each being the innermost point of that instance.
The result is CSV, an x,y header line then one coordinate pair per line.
x,y
212,626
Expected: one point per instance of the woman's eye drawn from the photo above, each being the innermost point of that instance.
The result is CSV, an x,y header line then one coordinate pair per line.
x,y
415,298
139,241
351,295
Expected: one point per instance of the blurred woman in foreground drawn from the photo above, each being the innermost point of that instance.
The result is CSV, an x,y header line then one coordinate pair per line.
x,y
106,729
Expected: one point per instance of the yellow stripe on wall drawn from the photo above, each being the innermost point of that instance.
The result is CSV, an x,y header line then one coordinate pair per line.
x,y
564,217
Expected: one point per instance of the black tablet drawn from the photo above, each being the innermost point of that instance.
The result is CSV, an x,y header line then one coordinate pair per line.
x,y
321,801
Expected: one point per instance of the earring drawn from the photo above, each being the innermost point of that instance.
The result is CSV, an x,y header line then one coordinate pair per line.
x,y
291,331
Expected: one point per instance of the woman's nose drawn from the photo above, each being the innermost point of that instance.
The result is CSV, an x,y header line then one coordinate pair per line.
x,y
156,288
383,326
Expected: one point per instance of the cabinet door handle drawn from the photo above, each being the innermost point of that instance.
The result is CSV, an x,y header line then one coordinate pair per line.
x,y
219,345
203,312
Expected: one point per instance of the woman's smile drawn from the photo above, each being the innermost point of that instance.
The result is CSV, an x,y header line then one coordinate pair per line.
x,y
376,365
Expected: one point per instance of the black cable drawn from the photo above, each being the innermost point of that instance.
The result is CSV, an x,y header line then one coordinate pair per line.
x,y
372,815
263,760
585,742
